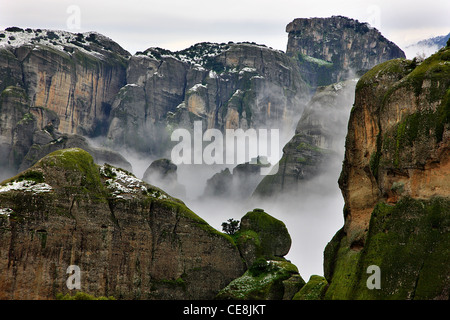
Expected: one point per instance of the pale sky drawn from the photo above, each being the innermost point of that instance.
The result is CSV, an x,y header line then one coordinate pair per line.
x,y
177,24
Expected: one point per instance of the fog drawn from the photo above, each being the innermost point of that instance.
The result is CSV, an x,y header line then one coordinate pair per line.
x,y
312,214
422,51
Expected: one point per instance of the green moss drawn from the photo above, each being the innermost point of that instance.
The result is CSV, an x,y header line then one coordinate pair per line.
x,y
261,236
181,209
375,158
175,283
265,284
415,130
29,175
314,289
392,69
81,296
86,60
81,171
344,270
410,244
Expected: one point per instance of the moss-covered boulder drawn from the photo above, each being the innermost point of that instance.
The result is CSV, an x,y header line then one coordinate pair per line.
x,y
313,289
262,236
265,280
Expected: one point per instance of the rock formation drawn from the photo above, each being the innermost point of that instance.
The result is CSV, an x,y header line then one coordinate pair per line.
x,y
395,183
163,174
263,241
334,49
317,146
238,184
129,239
85,84
54,83
226,86
262,236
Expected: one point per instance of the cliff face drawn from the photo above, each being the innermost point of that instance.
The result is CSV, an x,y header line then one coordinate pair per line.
x,y
317,146
86,84
129,239
74,75
54,82
225,86
332,49
395,184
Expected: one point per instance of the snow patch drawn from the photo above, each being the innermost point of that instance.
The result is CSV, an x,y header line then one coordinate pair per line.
x,y
246,69
27,186
5,212
196,87
121,183
62,41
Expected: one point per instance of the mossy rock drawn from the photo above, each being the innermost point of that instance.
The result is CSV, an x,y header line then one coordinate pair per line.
x,y
410,244
262,235
82,296
263,281
75,168
313,289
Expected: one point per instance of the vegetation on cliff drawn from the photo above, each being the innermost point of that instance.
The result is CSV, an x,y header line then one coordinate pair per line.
x,y
396,181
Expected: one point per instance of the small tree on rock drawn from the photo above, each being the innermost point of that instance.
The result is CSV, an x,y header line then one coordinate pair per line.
x,y
231,226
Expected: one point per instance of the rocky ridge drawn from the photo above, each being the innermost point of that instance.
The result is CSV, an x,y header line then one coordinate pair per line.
x,y
130,239
225,86
55,84
338,48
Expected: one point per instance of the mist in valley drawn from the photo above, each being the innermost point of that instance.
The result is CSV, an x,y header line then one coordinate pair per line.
x,y
312,214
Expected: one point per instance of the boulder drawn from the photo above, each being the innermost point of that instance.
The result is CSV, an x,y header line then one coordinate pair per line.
x,y
262,236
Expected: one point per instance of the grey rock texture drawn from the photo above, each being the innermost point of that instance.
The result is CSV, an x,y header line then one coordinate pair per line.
x,y
337,48
163,174
318,143
225,86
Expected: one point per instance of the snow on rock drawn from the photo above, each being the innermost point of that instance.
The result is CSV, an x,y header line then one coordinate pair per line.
x,y
5,212
123,184
27,186
91,43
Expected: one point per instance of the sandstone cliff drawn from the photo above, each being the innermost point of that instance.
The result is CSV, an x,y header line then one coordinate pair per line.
x,y
336,48
54,83
396,186
86,85
129,239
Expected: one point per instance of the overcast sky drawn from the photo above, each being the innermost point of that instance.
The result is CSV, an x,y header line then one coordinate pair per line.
x,y
177,24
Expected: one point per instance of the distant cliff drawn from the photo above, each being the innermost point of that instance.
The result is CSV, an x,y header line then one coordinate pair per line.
x,y
316,149
56,85
337,48
84,84
396,186
226,86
